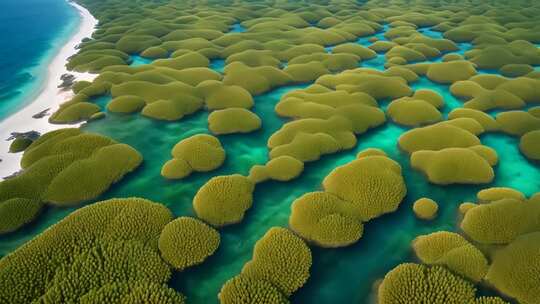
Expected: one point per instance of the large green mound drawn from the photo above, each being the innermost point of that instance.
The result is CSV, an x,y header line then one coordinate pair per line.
x,y
280,265
104,251
64,168
223,200
199,153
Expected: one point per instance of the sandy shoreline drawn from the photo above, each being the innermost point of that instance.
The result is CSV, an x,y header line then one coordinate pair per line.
x,y
49,97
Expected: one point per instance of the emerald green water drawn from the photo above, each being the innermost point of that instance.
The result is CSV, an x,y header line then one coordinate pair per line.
x,y
343,275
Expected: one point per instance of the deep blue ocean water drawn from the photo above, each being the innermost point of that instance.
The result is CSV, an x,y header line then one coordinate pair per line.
x,y
31,33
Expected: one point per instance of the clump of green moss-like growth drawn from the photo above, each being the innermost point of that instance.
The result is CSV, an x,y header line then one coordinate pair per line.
x,y
244,289
355,183
515,268
65,167
452,251
529,145
425,208
17,212
453,165
126,104
223,200
326,220
219,96
437,137
283,168
280,266
501,221
74,112
91,255
19,144
518,122
233,120
200,153
413,112
414,283
498,193
487,122
186,242
450,72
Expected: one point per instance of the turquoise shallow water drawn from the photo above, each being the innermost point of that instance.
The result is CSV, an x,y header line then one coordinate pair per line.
x,y
46,26
338,275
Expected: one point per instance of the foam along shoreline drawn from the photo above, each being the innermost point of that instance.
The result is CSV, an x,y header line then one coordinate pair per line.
x,y
50,97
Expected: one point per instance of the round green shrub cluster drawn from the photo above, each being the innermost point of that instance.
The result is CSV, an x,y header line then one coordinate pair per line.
x,y
283,168
487,122
200,153
498,193
373,185
91,255
218,96
453,166
64,167
326,220
223,200
529,145
450,72
17,212
126,104
244,289
413,112
515,268
425,208
437,137
280,266
414,283
452,251
186,242
501,221
280,258
19,144
233,120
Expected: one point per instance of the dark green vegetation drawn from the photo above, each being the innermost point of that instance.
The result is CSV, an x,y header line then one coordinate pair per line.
x,y
351,95
63,168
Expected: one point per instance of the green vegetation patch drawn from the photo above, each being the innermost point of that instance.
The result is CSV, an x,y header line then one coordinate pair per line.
x,y
200,153
92,255
186,242
233,120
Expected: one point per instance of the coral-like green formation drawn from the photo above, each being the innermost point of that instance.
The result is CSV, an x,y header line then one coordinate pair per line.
x,y
19,144
283,168
326,220
64,167
452,251
126,104
437,137
501,221
516,69
244,289
17,212
92,255
498,193
373,185
450,72
486,92
71,112
200,153
218,96
370,152
518,122
413,112
414,283
529,145
515,269
280,258
233,120
453,165
487,122
465,207
186,242
425,208
280,266
223,200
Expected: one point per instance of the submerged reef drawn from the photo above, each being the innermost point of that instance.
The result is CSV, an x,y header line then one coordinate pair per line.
x,y
274,134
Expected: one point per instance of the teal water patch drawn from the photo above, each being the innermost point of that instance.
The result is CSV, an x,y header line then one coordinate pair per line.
x,y
137,60
237,28
218,65
35,31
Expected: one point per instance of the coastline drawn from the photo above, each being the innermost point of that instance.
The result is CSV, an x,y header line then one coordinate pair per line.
x,y
49,96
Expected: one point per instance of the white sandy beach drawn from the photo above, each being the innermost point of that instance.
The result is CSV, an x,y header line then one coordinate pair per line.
x,y
49,97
